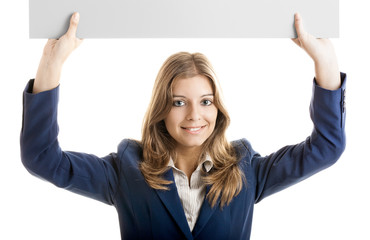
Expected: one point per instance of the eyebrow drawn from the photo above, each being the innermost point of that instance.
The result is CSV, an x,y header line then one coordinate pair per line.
x,y
205,95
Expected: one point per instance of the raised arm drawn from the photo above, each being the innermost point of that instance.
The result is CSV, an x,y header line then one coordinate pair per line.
x,y
327,141
82,173
56,52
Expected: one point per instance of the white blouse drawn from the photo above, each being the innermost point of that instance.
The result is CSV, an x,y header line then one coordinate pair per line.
x,y
191,196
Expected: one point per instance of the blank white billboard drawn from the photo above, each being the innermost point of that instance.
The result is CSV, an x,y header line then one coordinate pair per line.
x,y
184,18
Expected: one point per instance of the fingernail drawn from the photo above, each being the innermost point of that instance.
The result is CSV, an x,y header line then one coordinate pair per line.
x,y
76,16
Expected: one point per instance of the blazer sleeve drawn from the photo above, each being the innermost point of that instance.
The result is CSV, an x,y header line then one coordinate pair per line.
x,y
42,156
320,150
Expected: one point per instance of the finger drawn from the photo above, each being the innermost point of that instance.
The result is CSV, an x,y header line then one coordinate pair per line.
x,y
78,41
73,23
299,25
49,45
51,41
297,19
296,41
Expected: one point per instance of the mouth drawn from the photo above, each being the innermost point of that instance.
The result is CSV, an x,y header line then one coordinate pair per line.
x,y
193,130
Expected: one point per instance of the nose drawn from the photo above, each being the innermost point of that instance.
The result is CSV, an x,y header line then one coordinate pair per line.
x,y
193,113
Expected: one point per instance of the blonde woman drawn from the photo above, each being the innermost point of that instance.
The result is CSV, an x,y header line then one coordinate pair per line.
x,y
183,179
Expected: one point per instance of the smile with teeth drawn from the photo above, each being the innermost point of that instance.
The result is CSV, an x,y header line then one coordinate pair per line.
x,y
193,130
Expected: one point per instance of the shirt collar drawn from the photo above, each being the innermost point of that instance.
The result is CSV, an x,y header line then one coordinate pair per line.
x,y
207,163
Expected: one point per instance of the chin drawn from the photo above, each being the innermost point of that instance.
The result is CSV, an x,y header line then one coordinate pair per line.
x,y
192,144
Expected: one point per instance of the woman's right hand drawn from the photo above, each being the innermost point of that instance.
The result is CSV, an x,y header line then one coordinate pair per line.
x,y
56,52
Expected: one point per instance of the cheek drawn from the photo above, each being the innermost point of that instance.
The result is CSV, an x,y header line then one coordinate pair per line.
x,y
212,116
172,120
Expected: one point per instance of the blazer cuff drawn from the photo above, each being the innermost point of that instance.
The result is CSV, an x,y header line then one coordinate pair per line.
x,y
37,108
330,101
29,88
343,79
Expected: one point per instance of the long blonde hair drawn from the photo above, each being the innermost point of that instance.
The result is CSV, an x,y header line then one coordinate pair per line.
x,y
225,178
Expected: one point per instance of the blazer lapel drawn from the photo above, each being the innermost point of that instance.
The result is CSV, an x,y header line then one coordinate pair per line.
x,y
205,214
171,200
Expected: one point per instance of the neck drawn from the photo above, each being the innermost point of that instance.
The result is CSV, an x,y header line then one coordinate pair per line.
x,y
187,159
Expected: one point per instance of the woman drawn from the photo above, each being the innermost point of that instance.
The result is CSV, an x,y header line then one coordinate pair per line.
x,y
183,180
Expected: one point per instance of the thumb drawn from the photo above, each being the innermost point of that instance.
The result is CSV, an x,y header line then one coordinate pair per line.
x,y
73,23
298,24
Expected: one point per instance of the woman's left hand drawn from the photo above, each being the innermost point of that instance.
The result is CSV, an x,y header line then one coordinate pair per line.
x,y
322,53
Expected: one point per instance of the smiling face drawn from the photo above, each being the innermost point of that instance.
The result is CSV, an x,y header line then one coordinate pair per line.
x,y
193,115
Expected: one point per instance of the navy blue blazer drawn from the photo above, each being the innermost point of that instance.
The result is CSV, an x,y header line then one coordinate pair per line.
x,y
146,213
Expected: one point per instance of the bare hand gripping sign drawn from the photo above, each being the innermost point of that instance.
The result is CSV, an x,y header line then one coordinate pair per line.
x,y
183,18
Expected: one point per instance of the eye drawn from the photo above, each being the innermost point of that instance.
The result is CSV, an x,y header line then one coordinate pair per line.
x,y
178,103
206,102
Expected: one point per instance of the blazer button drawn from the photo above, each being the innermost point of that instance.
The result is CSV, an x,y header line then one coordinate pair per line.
x,y
344,106
344,100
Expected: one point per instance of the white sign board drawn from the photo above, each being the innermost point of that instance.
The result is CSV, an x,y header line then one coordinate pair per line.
x,y
184,18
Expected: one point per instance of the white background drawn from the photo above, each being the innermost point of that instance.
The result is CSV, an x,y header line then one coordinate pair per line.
x,y
105,89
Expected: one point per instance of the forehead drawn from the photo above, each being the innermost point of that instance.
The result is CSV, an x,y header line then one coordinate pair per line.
x,y
194,86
